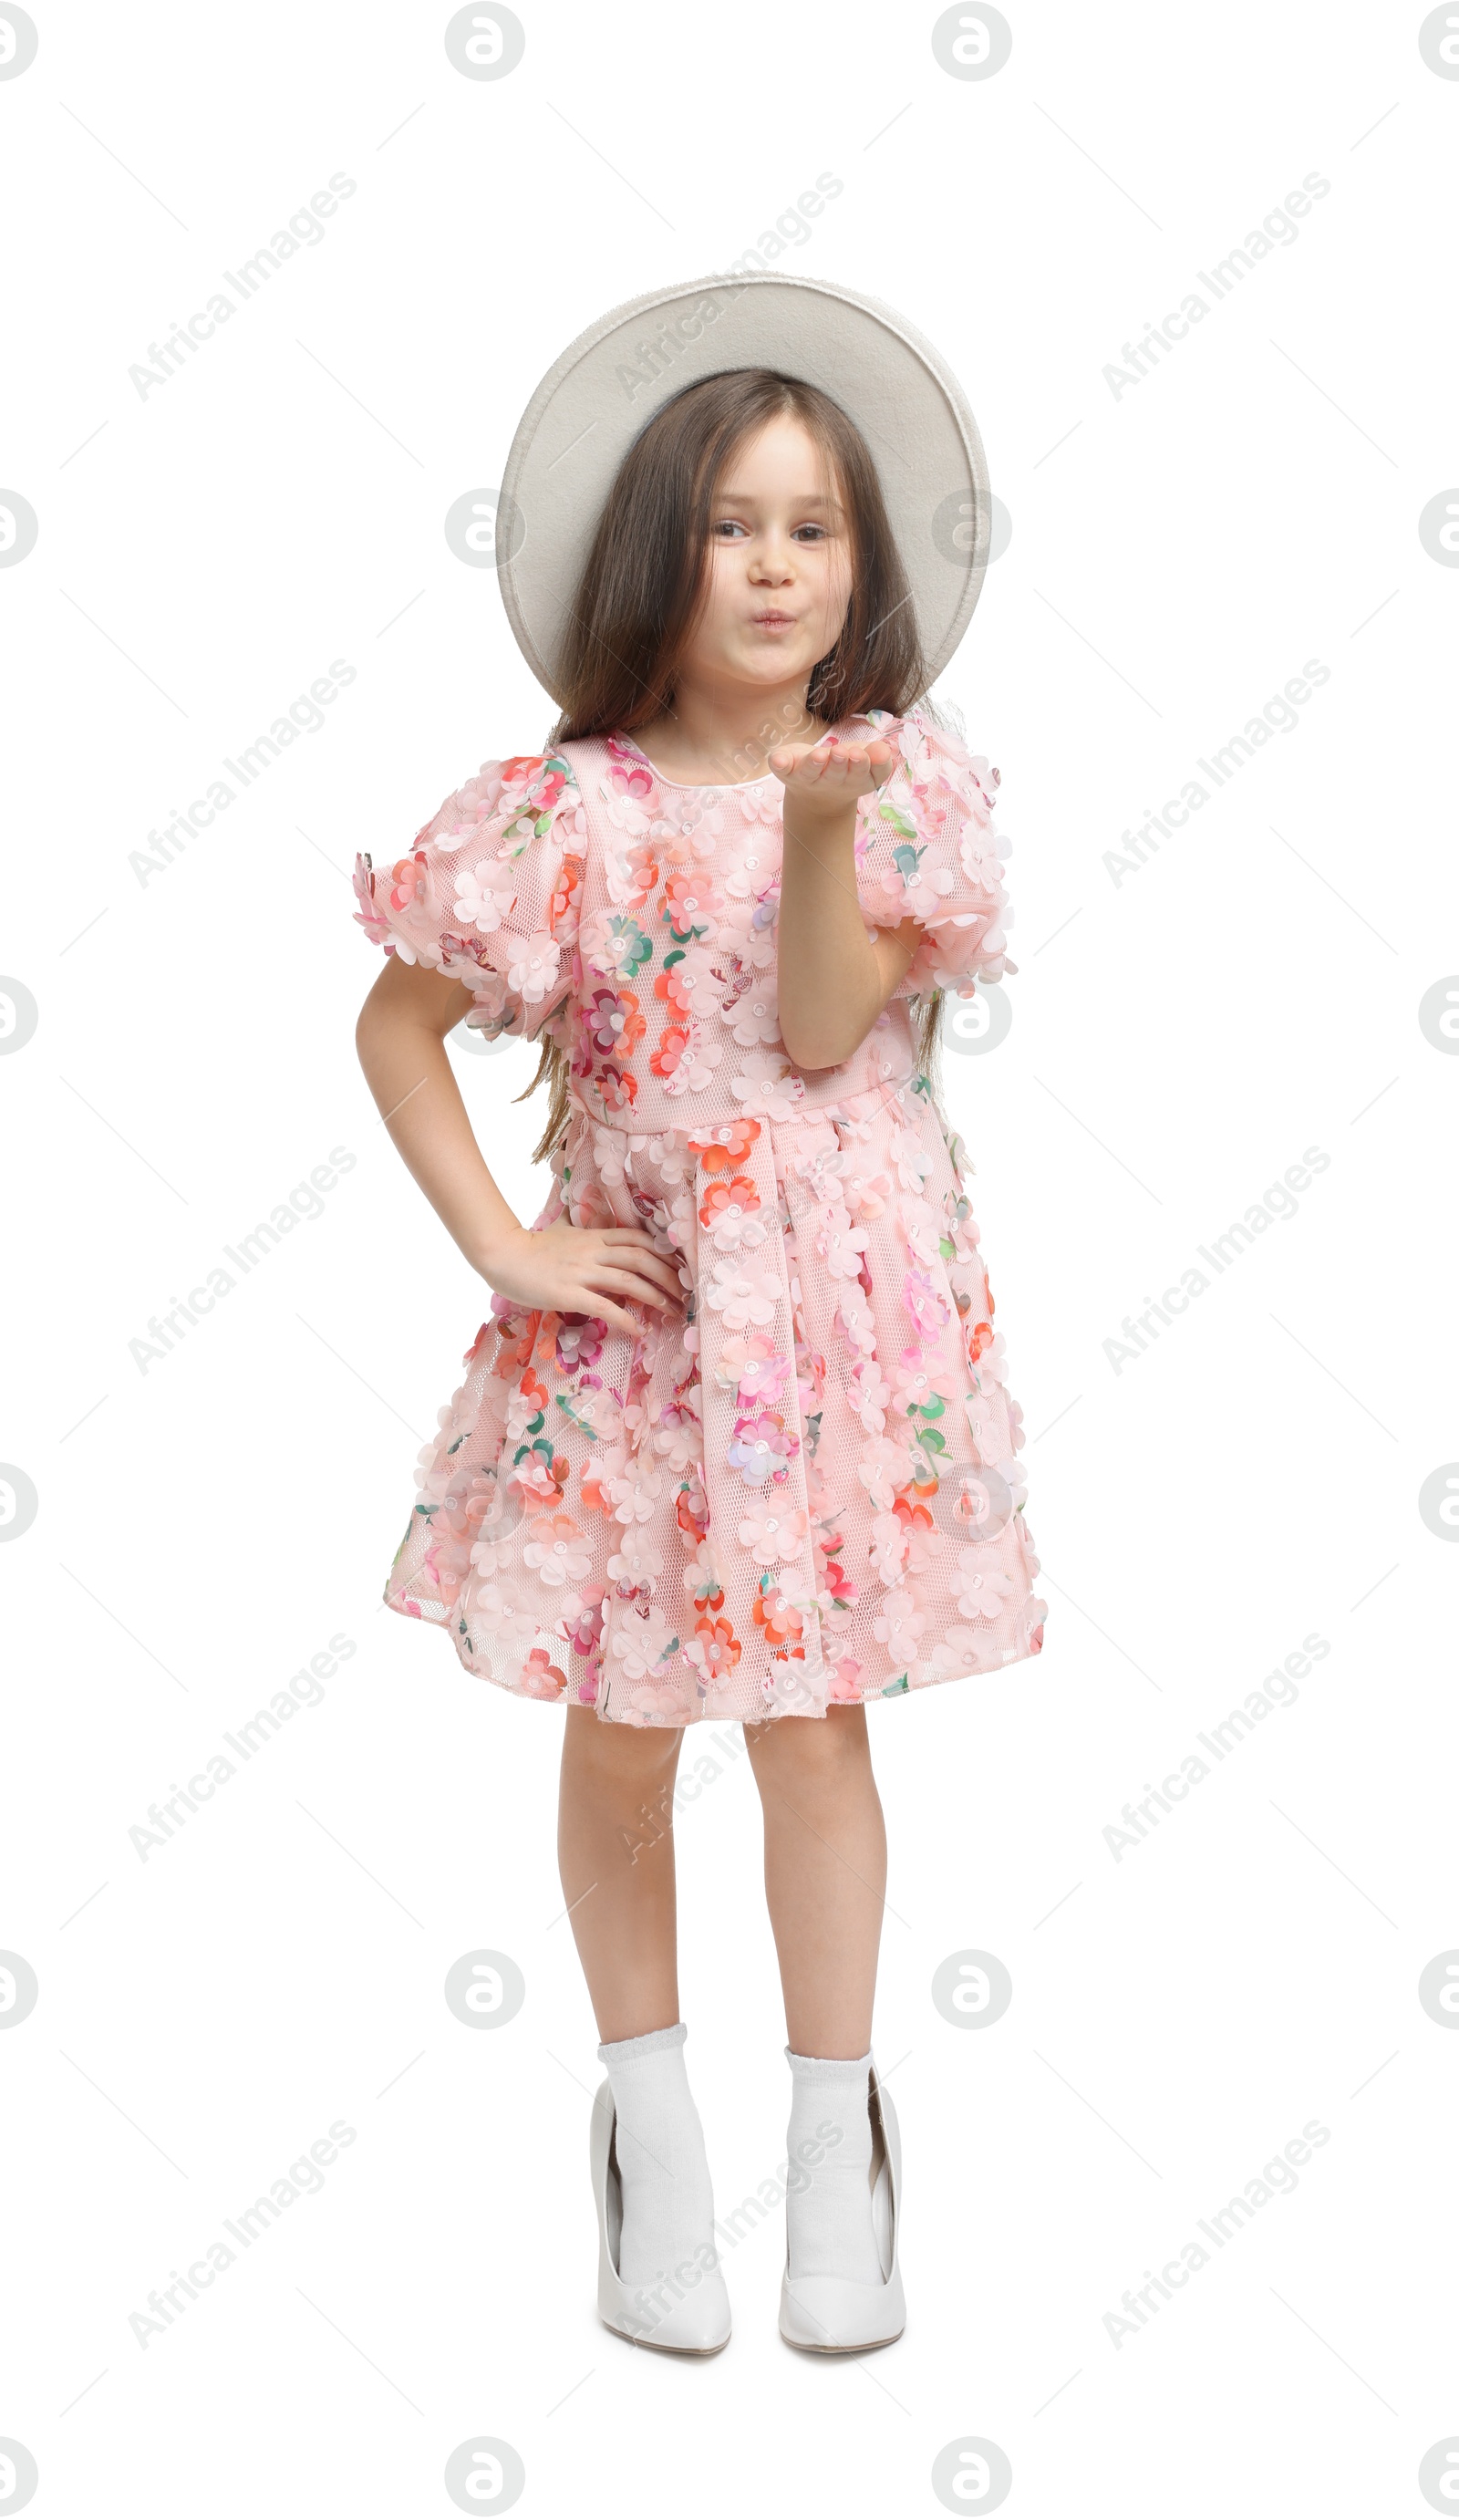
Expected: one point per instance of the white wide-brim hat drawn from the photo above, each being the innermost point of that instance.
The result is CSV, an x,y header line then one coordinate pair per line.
x,y
597,397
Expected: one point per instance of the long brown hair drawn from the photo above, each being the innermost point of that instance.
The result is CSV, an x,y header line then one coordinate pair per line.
x,y
645,581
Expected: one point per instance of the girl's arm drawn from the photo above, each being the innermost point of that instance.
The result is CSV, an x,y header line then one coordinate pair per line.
x,y
401,1040
833,980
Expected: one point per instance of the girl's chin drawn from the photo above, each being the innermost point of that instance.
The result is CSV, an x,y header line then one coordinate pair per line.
x,y
771,659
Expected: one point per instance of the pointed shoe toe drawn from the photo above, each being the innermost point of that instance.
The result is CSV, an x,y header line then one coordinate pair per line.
x,y
827,2315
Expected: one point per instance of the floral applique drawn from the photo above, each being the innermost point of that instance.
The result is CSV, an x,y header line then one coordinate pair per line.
x,y
799,1487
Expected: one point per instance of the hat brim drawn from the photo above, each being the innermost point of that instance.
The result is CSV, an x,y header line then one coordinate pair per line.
x,y
596,398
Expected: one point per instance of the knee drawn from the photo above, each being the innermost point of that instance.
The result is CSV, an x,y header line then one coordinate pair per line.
x,y
812,1750
632,1758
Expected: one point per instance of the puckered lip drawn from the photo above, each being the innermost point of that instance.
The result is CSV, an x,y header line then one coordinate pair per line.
x,y
773,613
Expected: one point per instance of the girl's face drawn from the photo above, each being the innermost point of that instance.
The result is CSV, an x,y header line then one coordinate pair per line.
x,y
779,564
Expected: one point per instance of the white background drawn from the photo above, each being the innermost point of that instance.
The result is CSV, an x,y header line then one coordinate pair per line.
x,y
1181,1036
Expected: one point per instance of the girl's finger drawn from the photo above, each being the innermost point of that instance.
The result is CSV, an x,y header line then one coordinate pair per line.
x,y
627,1282
645,1261
603,1311
664,1273
600,1280
632,1282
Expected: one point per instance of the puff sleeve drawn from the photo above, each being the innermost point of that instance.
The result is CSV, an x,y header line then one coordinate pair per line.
x,y
490,893
928,848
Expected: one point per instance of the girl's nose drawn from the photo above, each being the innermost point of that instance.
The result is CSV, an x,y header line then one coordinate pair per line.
x,y
773,560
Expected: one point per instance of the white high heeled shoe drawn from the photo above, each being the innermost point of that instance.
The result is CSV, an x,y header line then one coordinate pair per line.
x,y
676,2316
826,2314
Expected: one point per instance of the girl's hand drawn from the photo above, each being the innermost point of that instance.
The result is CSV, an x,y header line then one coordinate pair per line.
x,y
577,1269
825,777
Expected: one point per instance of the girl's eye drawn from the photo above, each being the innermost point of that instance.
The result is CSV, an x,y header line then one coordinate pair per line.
x,y
724,526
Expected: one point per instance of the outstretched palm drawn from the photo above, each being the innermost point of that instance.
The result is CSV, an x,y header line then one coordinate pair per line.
x,y
831,775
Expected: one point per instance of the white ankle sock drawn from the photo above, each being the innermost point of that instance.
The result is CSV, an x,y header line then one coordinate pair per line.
x,y
828,2220
668,2198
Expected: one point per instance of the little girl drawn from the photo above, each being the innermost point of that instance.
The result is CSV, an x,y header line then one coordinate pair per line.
x,y
735,1442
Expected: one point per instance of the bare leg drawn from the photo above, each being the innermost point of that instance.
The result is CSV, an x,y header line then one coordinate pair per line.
x,y
618,1867
825,1872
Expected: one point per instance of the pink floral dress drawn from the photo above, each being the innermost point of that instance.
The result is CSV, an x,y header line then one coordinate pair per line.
x,y
802,1490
